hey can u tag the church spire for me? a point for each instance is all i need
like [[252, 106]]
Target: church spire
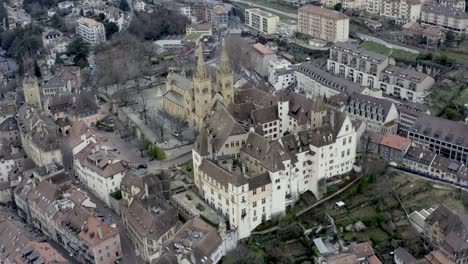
[[201, 73], [224, 68]]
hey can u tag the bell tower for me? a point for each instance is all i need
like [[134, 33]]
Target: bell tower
[[202, 87], [225, 77]]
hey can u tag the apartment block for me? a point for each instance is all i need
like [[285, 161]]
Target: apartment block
[[260, 20], [347, 4], [91, 31], [323, 23], [445, 17], [373, 6], [280, 74], [377, 71], [402, 11]]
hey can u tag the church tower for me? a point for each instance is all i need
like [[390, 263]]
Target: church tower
[[32, 94], [202, 87], [225, 77]]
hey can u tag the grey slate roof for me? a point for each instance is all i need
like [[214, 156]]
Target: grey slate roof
[[9, 124], [182, 82], [442, 129], [174, 97]]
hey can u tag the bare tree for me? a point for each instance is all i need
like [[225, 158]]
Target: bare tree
[[144, 108], [156, 121]]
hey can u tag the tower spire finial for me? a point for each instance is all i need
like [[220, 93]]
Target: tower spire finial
[[201, 73], [225, 68]]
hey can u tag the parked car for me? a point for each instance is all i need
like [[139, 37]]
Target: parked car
[[142, 166]]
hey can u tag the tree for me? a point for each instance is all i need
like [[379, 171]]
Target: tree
[[80, 49], [81, 12], [160, 23], [111, 29], [57, 22], [123, 5], [338, 7], [242, 255], [37, 70]]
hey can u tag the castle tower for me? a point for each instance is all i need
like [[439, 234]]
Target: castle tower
[[225, 77], [32, 94], [202, 87]]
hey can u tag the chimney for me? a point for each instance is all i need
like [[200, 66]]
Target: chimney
[[99, 231]]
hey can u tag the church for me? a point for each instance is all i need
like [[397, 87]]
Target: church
[[191, 100]]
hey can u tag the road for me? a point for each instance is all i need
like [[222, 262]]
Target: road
[[291, 15]]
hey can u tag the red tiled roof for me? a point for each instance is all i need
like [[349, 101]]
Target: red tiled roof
[[395, 142]]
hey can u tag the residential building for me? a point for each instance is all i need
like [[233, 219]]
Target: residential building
[[393, 148], [80, 107], [9, 176], [261, 56], [201, 12], [296, 3], [460, 4], [261, 20], [21, 246], [280, 74], [91, 31], [149, 221], [219, 17], [199, 30], [373, 6], [409, 113], [208, 243], [444, 137], [402, 11], [187, 12], [322, 23], [39, 136], [347, 4], [377, 71], [418, 159], [7, 109], [446, 229], [98, 169], [65, 80], [316, 82], [287, 28], [192, 99], [66, 4], [9, 130], [378, 115], [139, 6], [445, 17]]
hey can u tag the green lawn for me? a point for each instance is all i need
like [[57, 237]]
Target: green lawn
[[454, 55], [395, 53]]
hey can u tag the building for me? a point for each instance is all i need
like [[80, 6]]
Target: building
[[251, 176], [190, 100], [9, 130], [149, 224], [10, 176], [287, 28], [261, 56], [98, 169], [91, 31], [281, 74], [445, 17], [22, 246], [460, 4], [139, 6], [347, 4], [316, 82], [199, 30], [209, 244], [373, 6], [39, 136], [378, 115], [444, 137], [446, 229], [393, 148], [402, 11], [261, 21], [322, 23], [377, 71], [219, 17], [32, 93]]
